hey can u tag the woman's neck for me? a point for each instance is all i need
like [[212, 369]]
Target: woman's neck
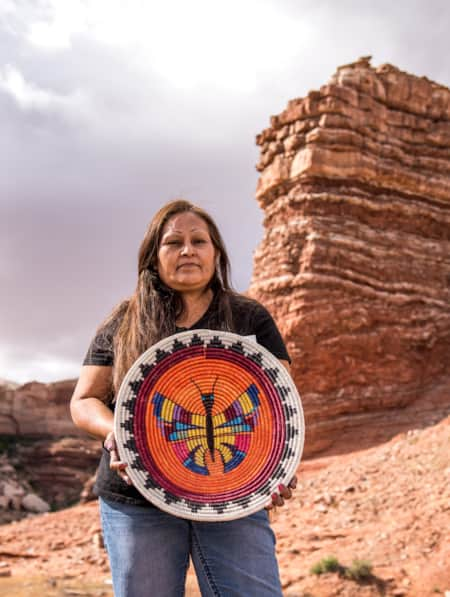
[[195, 305]]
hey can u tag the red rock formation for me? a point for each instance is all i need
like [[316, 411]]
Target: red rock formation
[[355, 261], [60, 468], [7, 424], [56, 457], [37, 409]]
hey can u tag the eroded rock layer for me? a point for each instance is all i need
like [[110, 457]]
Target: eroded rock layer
[[355, 260]]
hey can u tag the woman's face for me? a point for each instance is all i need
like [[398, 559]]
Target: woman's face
[[186, 256]]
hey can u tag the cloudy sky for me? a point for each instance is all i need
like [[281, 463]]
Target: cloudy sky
[[109, 109]]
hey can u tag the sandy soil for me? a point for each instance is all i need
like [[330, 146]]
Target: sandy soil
[[389, 505]]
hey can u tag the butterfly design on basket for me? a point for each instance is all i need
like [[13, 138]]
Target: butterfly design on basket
[[198, 438]]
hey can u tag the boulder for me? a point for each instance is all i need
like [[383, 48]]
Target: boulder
[[33, 503]]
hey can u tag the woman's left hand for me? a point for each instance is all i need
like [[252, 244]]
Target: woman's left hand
[[284, 493]]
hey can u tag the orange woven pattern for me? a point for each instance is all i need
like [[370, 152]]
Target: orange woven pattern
[[210, 424], [230, 381]]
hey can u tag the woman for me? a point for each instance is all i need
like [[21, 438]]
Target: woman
[[183, 284]]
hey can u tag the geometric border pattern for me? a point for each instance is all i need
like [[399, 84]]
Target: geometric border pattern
[[154, 483]]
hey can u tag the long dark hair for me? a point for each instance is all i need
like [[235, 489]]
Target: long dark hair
[[150, 313]]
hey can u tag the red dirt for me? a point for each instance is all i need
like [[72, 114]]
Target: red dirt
[[389, 505]]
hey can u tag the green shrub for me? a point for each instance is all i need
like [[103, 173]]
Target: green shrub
[[328, 564], [359, 570]]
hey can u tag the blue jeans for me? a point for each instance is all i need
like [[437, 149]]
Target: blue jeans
[[149, 553]]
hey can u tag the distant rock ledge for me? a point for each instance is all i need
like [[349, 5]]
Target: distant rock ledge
[[37, 409]]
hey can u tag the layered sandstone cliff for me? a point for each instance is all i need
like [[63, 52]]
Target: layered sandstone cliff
[[355, 260]]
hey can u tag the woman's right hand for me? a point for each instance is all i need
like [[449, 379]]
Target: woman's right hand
[[114, 463]]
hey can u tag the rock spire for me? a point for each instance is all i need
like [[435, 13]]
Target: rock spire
[[355, 260]]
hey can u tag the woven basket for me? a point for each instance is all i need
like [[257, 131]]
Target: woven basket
[[210, 424]]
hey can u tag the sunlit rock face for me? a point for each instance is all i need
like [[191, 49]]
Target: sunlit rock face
[[355, 260]]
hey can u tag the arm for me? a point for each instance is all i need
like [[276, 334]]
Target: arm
[[88, 403], [89, 411]]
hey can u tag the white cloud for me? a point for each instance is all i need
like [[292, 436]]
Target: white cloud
[[64, 19], [7, 7], [229, 45], [31, 97], [200, 42], [21, 368]]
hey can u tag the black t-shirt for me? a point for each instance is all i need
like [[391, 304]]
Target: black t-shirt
[[250, 318]]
